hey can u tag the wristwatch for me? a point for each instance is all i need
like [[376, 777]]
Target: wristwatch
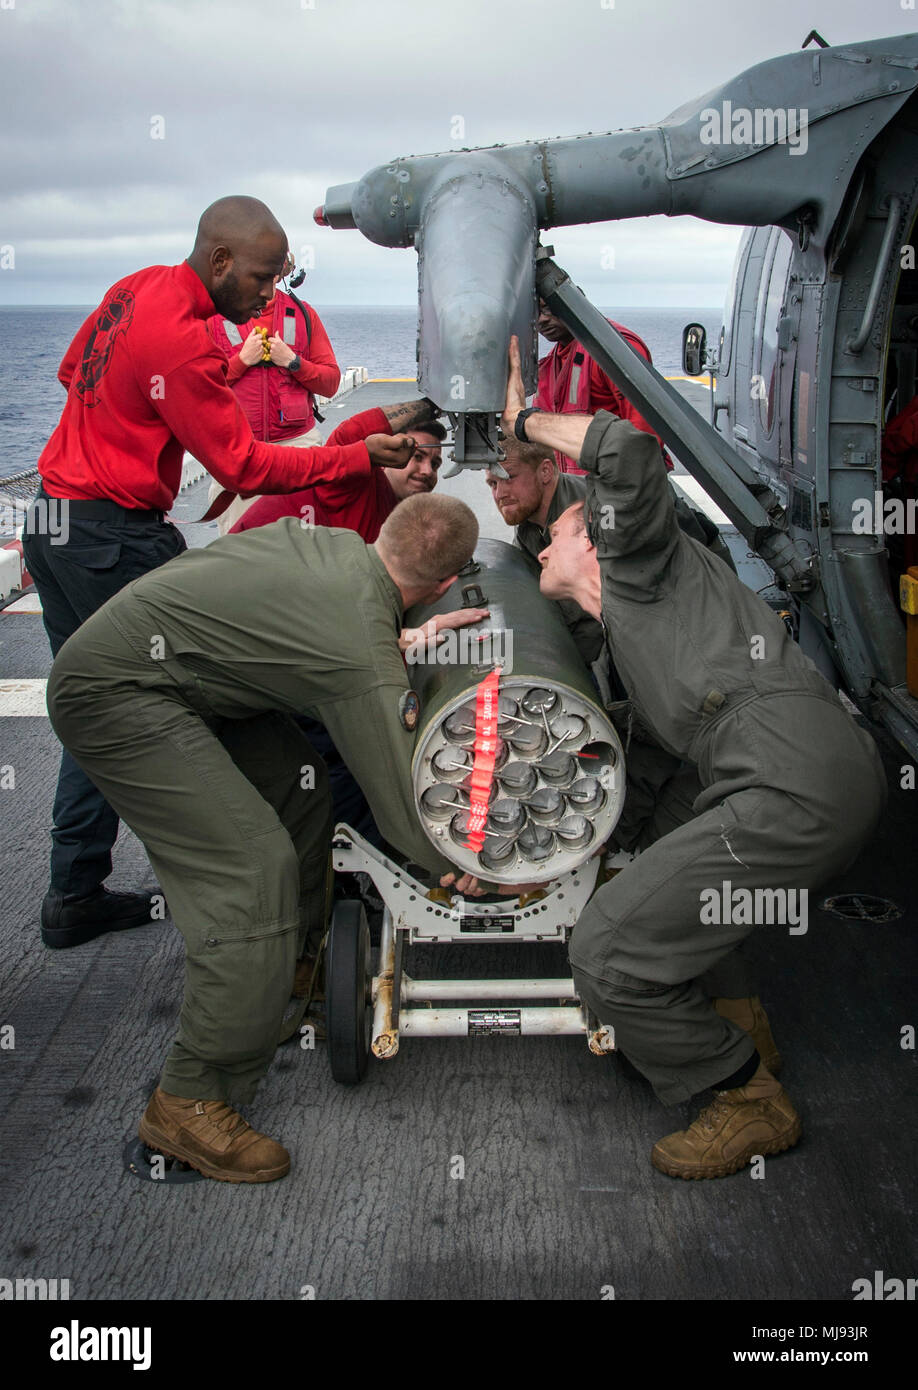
[[294, 364], [519, 426]]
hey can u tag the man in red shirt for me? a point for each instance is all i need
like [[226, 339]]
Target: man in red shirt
[[900, 479], [571, 383], [353, 502], [145, 382], [900, 444]]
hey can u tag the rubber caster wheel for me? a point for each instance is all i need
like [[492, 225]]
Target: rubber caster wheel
[[348, 992]]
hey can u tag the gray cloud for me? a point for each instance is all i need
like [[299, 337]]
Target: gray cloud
[[280, 99]]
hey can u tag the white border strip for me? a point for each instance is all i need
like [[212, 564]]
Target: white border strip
[[24, 698]]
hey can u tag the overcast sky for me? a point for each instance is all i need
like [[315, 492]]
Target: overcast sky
[[282, 98]]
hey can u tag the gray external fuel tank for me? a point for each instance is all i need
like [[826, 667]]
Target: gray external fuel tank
[[558, 780]]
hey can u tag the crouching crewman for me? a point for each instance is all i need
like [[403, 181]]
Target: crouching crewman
[[792, 787], [175, 698]]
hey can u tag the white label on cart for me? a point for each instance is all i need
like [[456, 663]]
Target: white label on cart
[[486, 1022], [502, 923]]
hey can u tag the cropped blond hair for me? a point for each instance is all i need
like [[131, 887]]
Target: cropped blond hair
[[427, 538]]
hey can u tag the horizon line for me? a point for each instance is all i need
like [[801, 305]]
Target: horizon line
[[350, 304]]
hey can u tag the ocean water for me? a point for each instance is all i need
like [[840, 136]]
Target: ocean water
[[381, 338]]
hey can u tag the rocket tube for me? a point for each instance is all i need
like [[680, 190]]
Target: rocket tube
[[517, 677]]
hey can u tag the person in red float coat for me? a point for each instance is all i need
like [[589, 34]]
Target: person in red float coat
[[900, 470], [571, 383], [278, 394]]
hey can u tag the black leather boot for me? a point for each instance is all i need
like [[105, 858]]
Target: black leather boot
[[74, 921]]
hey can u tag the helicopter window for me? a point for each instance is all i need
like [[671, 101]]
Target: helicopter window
[[768, 312], [739, 270]]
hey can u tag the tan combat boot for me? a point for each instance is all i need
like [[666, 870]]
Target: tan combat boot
[[749, 1015], [213, 1138], [757, 1118]]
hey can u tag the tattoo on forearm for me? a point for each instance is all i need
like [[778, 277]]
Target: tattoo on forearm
[[402, 416]]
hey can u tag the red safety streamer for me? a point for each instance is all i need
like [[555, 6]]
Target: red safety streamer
[[487, 705]]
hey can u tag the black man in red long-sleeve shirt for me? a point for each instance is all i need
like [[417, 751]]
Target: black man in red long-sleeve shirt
[[144, 383]]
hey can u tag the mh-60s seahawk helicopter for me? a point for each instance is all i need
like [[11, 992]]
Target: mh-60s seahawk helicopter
[[815, 152]]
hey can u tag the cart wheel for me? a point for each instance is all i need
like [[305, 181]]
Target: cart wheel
[[348, 981]]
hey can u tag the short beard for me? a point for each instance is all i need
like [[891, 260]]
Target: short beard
[[226, 298], [526, 515]]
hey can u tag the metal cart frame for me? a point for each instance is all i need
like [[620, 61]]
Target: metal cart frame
[[372, 1011]]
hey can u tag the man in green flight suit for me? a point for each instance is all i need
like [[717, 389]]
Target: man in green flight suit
[[661, 788], [176, 697], [792, 788]]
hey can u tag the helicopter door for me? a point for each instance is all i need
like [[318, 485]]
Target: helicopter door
[[900, 419]]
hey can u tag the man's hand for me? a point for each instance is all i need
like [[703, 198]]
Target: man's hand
[[565, 433], [390, 450], [460, 617], [466, 884], [472, 887], [516, 391], [281, 353], [251, 349], [434, 627]]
